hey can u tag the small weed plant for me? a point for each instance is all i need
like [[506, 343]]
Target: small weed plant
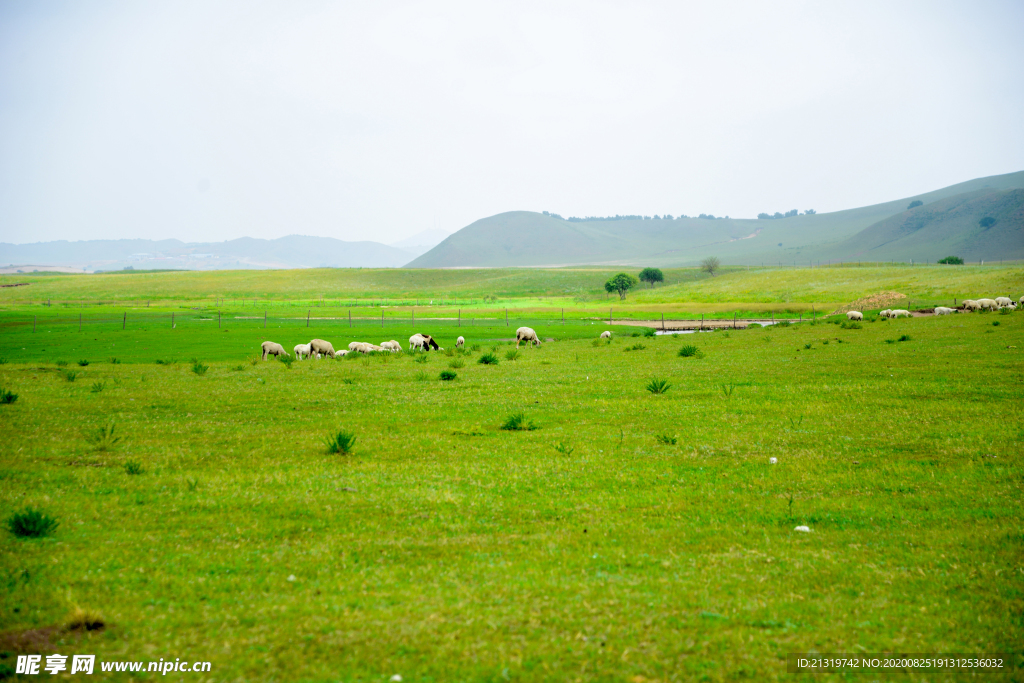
[[512, 354], [6, 397], [238, 368], [286, 359], [456, 364], [31, 523], [421, 358], [727, 390], [658, 386], [199, 368], [82, 363], [850, 325], [342, 442], [636, 347], [422, 376], [103, 438], [904, 337], [70, 375], [564, 448], [650, 332], [97, 387], [517, 422], [62, 364], [447, 375], [133, 467], [114, 361], [666, 439], [690, 351], [488, 359]]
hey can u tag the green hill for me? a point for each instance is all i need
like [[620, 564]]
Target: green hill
[[526, 238]]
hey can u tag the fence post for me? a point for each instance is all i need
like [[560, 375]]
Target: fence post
[[125, 321], [506, 317], [79, 322], [609, 316], [172, 321], [460, 317], [350, 317], [307, 317], [33, 324], [662, 322], [382, 316], [734, 321], [264, 318], [701, 322], [218, 320]]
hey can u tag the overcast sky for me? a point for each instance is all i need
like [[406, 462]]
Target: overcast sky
[[209, 120]]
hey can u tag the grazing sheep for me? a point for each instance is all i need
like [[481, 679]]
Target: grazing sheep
[[390, 346], [899, 313], [272, 349], [422, 341], [885, 313], [1003, 301], [363, 347], [323, 347], [460, 342], [606, 335], [803, 528], [854, 315], [301, 351], [988, 304], [1021, 302], [1012, 306], [526, 334], [971, 305], [943, 310]]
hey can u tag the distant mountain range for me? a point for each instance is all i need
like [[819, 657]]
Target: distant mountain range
[[978, 219]]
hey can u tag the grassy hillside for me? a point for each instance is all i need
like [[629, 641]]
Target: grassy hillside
[[523, 238]]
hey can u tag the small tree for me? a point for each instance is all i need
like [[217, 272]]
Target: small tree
[[620, 284], [916, 202], [952, 261], [710, 265], [987, 222], [652, 275]]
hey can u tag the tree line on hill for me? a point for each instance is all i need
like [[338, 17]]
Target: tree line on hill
[[621, 283], [788, 214], [628, 217]]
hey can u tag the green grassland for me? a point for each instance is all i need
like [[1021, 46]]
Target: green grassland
[[588, 549]]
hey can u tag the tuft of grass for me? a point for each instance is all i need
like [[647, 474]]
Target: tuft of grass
[[850, 325], [3, 361], [102, 438], [421, 357], [97, 387], [995, 323], [193, 484], [62, 364], [69, 375], [422, 376], [689, 351], [133, 467], [82, 620], [650, 332], [238, 368], [287, 360], [160, 361], [658, 386], [254, 360], [199, 368], [564, 448], [113, 360], [31, 523], [903, 338], [82, 363], [342, 442], [636, 347], [727, 390], [474, 348], [456, 364], [6, 397], [447, 375], [488, 359], [596, 343], [666, 439], [512, 354], [517, 422], [807, 345]]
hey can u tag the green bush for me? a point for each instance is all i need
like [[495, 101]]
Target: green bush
[[689, 351], [666, 439], [488, 359], [650, 332], [952, 261], [658, 386], [6, 397], [517, 422], [31, 523], [447, 375], [83, 363], [199, 368], [342, 442]]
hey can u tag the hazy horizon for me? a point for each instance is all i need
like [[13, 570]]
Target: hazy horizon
[[209, 122]]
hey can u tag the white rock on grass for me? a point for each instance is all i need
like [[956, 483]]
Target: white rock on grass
[[291, 577], [772, 461], [805, 529], [397, 678]]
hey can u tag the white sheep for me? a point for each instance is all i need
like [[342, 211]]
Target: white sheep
[[606, 335], [885, 313], [971, 305], [1003, 301], [322, 347], [526, 334], [943, 310], [460, 342], [390, 346], [301, 351], [988, 304], [1021, 302], [1012, 306], [899, 313], [854, 315], [272, 349]]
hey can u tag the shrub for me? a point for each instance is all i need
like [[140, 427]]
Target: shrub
[[987, 222], [102, 438], [97, 387], [199, 368], [133, 467], [447, 375], [31, 523], [456, 364], [512, 354], [342, 442], [666, 439], [6, 397], [710, 264], [916, 202], [658, 386], [952, 261], [62, 364], [70, 375], [517, 422], [905, 337], [488, 359], [650, 332], [82, 363], [688, 351]]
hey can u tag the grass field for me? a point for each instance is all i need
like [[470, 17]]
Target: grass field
[[630, 536]]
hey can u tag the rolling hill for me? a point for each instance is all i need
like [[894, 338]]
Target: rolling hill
[[946, 223]]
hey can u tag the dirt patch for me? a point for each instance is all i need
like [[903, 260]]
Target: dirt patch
[[880, 300], [47, 638]]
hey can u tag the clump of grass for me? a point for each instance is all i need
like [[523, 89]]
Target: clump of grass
[[517, 422], [347, 380], [456, 364], [449, 352], [635, 334], [447, 375], [421, 358], [650, 332], [689, 351], [133, 467], [495, 347], [6, 397], [160, 361], [474, 348], [238, 368], [658, 386], [199, 368], [564, 448], [422, 376], [3, 361], [807, 345], [488, 359], [512, 354], [666, 439], [82, 620], [193, 484], [1005, 311], [69, 375], [82, 363], [31, 523], [287, 360], [113, 360], [904, 337], [97, 387], [62, 364], [596, 343], [727, 390], [342, 442], [850, 325], [825, 342], [995, 323], [636, 347], [102, 438], [254, 360]]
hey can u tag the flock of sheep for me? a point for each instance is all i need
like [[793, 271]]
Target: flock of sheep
[[968, 305], [318, 348]]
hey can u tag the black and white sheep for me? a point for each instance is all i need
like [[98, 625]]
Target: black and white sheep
[[854, 315]]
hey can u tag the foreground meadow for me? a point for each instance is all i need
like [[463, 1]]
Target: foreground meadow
[[628, 536]]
